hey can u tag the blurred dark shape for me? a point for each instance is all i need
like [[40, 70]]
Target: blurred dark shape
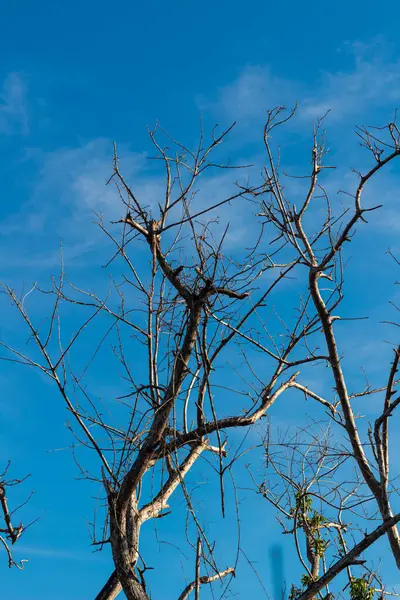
[[277, 571]]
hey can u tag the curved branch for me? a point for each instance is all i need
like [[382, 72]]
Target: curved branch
[[205, 579]]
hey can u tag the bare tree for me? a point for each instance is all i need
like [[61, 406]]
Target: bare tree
[[183, 309]]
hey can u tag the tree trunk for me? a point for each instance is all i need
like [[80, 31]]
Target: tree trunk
[[124, 537]]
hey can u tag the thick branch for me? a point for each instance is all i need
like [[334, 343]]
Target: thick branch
[[267, 401], [153, 508], [111, 589], [205, 579]]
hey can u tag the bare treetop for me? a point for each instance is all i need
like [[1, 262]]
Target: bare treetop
[[203, 344]]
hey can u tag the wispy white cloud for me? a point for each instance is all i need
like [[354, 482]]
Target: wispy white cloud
[[57, 553], [370, 81], [71, 181], [255, 90], [76, 177], [69, 190], [14, 106]]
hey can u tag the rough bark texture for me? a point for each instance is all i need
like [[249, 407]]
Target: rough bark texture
[[111, 589]]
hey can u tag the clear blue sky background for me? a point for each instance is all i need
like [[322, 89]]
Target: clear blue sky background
[[74, 77]]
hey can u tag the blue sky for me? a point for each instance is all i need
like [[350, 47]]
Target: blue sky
[[76, 76]]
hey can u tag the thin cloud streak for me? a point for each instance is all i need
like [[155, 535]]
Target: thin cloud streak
[[14, 106], [57, 554]]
